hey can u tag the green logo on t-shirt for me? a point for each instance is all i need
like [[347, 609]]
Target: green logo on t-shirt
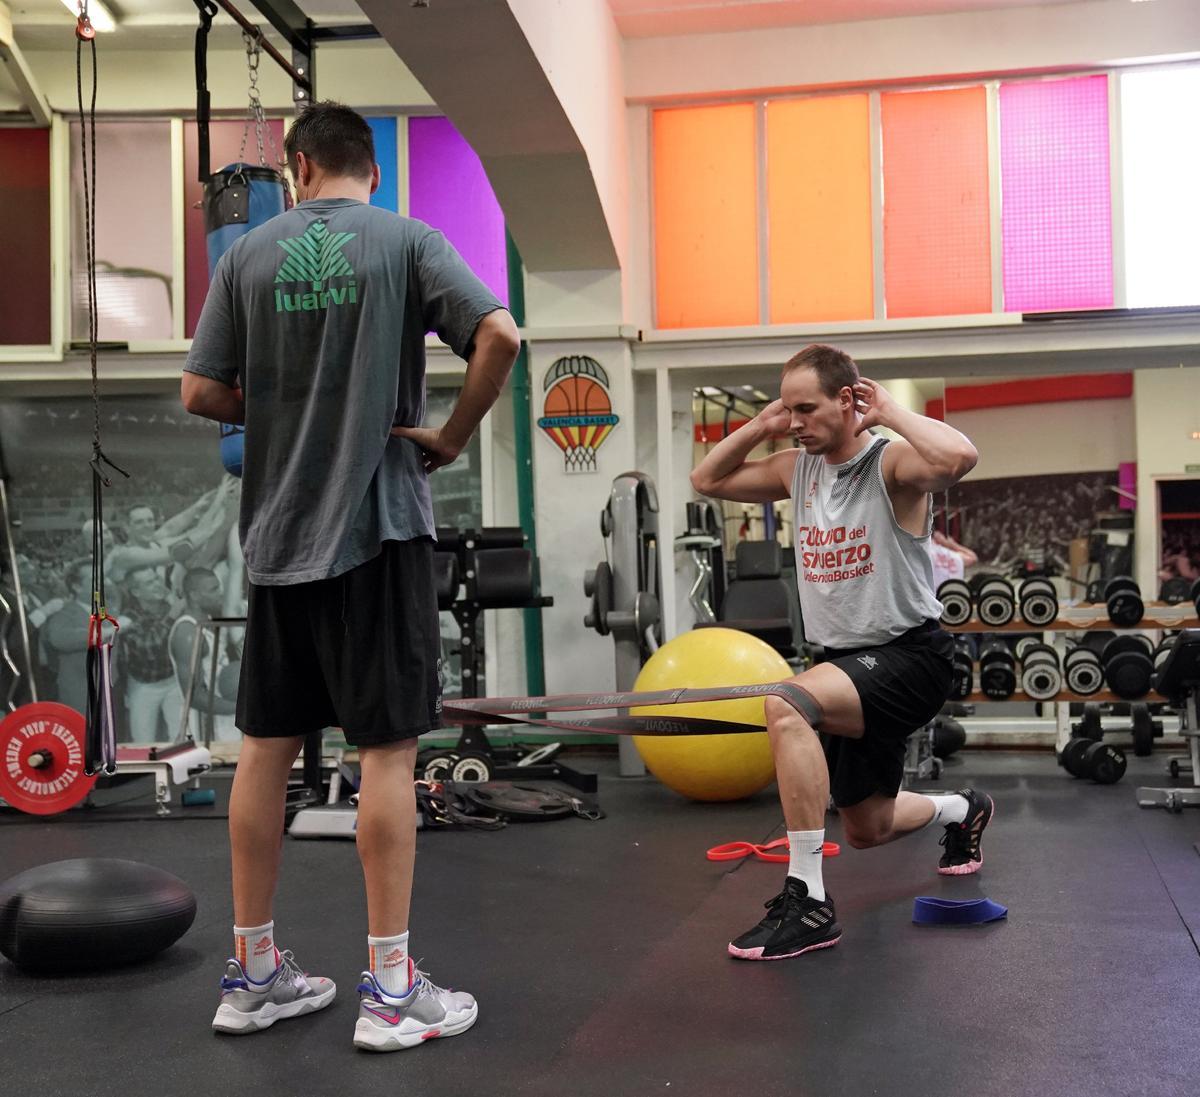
[[316, 257]]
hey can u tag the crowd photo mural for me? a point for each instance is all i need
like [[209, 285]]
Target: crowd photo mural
[[172, 551], [1011, 521]]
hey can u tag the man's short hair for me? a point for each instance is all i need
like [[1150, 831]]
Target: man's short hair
[[835, 369], [334, 137], [194, 578]]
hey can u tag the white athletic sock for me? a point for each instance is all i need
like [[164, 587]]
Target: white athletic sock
[[389, 963], [804, 859], [948, 807], [254, 947]]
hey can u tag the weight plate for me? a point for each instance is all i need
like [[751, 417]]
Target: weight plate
[[1119, 583], [1174, 591], [1039, 608], [437, 766], [1072, 756], [1126, 645], [471, 768], [1125, 610], [1143, 731], [1089, 726], [1042, 681], [955, 597], [1128, 674], [996, 603], [520, 801], [1104, 763], [41, 758]]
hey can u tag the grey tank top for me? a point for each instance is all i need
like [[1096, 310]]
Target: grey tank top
[[863, 579]]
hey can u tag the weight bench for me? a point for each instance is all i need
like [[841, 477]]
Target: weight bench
[[1178, 680]]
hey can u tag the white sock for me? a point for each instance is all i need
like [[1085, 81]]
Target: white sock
[[254, 947], [948, 807], [804, 859], [389, 963]]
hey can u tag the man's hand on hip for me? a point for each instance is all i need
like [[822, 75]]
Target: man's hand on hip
[[436, 451]]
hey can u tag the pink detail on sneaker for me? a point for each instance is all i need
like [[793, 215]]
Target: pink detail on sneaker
[[961, 870], [757, 953], [431, 1035]]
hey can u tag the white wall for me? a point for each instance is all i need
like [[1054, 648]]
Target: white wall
[[579, 48], [1168, 410], [1095, 33], [1041, 439], [161, 81], [568, 507]]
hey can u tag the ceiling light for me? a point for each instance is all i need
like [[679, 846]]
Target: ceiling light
[[99, 15]]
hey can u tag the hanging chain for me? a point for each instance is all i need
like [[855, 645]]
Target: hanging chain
[[254, 111]]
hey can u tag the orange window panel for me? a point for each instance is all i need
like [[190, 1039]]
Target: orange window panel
[[819, 209], [936, 216], [705, 216]]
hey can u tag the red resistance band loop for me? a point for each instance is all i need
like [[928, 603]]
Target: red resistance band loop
[[735, 851]]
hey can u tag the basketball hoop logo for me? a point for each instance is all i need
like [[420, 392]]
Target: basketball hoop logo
[[577, 413]]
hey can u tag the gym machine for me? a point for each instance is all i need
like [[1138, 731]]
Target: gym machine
[[625, 588], [702, 541], [1178, 679]]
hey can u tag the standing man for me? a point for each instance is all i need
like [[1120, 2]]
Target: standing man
[[863, 515], [153, 697], [313, 336]]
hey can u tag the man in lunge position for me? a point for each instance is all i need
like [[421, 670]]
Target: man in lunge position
[[863, 515]]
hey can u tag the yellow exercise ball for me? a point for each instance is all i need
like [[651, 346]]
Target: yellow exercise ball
[[711, 767]]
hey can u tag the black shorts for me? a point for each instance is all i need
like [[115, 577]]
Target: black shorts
[[361, 651], [902, 686]]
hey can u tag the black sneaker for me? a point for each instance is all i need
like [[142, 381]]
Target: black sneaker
[[963, 855], [794, 924]]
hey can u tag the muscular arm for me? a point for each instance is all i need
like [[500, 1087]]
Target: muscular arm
[[212, 399], [496, 344], [725, 473]]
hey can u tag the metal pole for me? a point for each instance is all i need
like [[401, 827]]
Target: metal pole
[[16, 573], [535, 664]]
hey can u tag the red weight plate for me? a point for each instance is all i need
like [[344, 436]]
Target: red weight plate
[[55, 733]]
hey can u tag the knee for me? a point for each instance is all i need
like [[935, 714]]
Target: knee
[[864, 837], [780, 714]]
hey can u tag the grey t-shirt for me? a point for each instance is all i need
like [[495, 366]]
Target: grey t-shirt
[[320, 315]]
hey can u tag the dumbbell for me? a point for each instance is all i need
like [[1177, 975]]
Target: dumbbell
[[1145, 730], [964, 672], [1124, 601], [955, 597], [1041, 675], [1160, 656], [997, 670], [1084, 671], [1176, 590], [1128, 666], [1089, 726], [995, 602], [1039, 602], [1196, 596], [1102, 762]]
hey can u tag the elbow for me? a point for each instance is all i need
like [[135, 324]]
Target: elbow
[[700, 483], [968, 458], [189, 395], [502, 333]]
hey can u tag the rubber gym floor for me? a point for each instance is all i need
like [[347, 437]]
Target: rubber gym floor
[[597, 952]]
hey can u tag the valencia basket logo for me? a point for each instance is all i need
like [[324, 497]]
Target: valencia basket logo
[[577, 412]]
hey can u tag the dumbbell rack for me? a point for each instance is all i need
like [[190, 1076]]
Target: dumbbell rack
[[1080, 618]]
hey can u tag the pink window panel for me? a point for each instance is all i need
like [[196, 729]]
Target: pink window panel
[[1056, 197]]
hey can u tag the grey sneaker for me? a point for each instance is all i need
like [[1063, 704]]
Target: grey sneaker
[[426, 1012], [247, 1006]]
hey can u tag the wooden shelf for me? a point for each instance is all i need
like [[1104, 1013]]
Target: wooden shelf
[[1095, 618], [976, 697]]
